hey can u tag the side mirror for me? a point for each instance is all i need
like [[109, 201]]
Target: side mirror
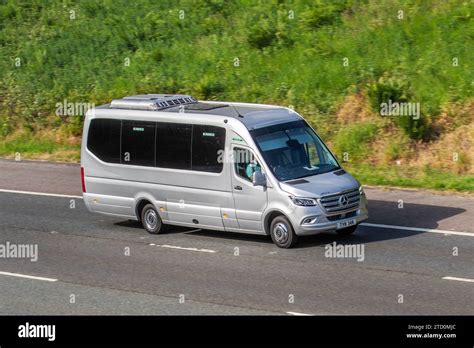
[[259, 179]]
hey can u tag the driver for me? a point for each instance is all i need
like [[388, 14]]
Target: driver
[[252, 167]]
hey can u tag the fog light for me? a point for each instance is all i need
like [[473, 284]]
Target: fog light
[[310, 220]]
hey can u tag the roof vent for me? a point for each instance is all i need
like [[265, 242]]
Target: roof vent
[[152, 101]]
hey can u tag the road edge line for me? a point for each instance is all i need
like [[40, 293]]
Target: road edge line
[[40, 194], [467, 280], [419, 229], [19, 275]]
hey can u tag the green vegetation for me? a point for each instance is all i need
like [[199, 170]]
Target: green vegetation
[[313, 55], [40, 145], [355, 140], [412, 177]]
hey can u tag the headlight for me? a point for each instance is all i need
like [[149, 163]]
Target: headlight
[[305, 202], [361, 191]]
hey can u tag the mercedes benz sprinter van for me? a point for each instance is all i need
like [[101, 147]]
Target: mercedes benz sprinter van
[[172, 160]]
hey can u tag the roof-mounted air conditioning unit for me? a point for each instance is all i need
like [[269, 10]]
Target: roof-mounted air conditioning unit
[[152, 101]]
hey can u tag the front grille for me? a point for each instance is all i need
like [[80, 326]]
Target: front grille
[[340, 201], [342, 216]]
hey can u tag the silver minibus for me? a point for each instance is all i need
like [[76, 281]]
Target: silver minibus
[[172, 160]]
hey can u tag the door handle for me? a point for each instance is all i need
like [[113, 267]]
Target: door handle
[[238, 188]]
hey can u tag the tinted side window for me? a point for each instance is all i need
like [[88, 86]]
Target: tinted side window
[[138, 143], [103, 139], [208, 147], [173, 145]]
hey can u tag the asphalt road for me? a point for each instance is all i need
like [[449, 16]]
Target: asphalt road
[[112, 266]]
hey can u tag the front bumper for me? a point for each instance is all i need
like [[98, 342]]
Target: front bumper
[[326, 222], [304, 230]]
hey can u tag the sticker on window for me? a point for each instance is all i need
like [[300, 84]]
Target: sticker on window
[[207, 134], [138, 129]]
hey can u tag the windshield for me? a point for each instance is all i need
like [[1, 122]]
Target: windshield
[[293, 150]]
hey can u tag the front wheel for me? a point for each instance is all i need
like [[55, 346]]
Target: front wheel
[[347, 231], [151, 220], [282, 232]]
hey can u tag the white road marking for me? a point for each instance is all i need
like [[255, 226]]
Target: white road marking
[[301, 314], [190, 249], [40, 194], [419, 229], [459, 279], [28, 276], [183, 248]]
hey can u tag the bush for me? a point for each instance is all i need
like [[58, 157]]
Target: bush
[[388, 89], [354, 140], [262, 34], [324, 13], [210, 89]]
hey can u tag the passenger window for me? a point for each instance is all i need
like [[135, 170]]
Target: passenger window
[[173, 145], [245, 163], [103, 139], [138, 143], [208, 147]]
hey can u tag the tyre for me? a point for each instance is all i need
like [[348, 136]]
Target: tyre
[[282, 232], [151, 220], [347, 231]]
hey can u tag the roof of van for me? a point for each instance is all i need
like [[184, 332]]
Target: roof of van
[[251, 115]]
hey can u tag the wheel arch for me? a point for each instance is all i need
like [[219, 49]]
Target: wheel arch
[[268, 218], [142, 199], [139, 207]]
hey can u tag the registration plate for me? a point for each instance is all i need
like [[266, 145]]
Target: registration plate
[[344, 224]]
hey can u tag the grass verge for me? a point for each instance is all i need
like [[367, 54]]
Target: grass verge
[[411, 177], [41, 146]]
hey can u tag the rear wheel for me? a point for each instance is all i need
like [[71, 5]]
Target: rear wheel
[[347, 231], [282, 232], [151, 220]]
